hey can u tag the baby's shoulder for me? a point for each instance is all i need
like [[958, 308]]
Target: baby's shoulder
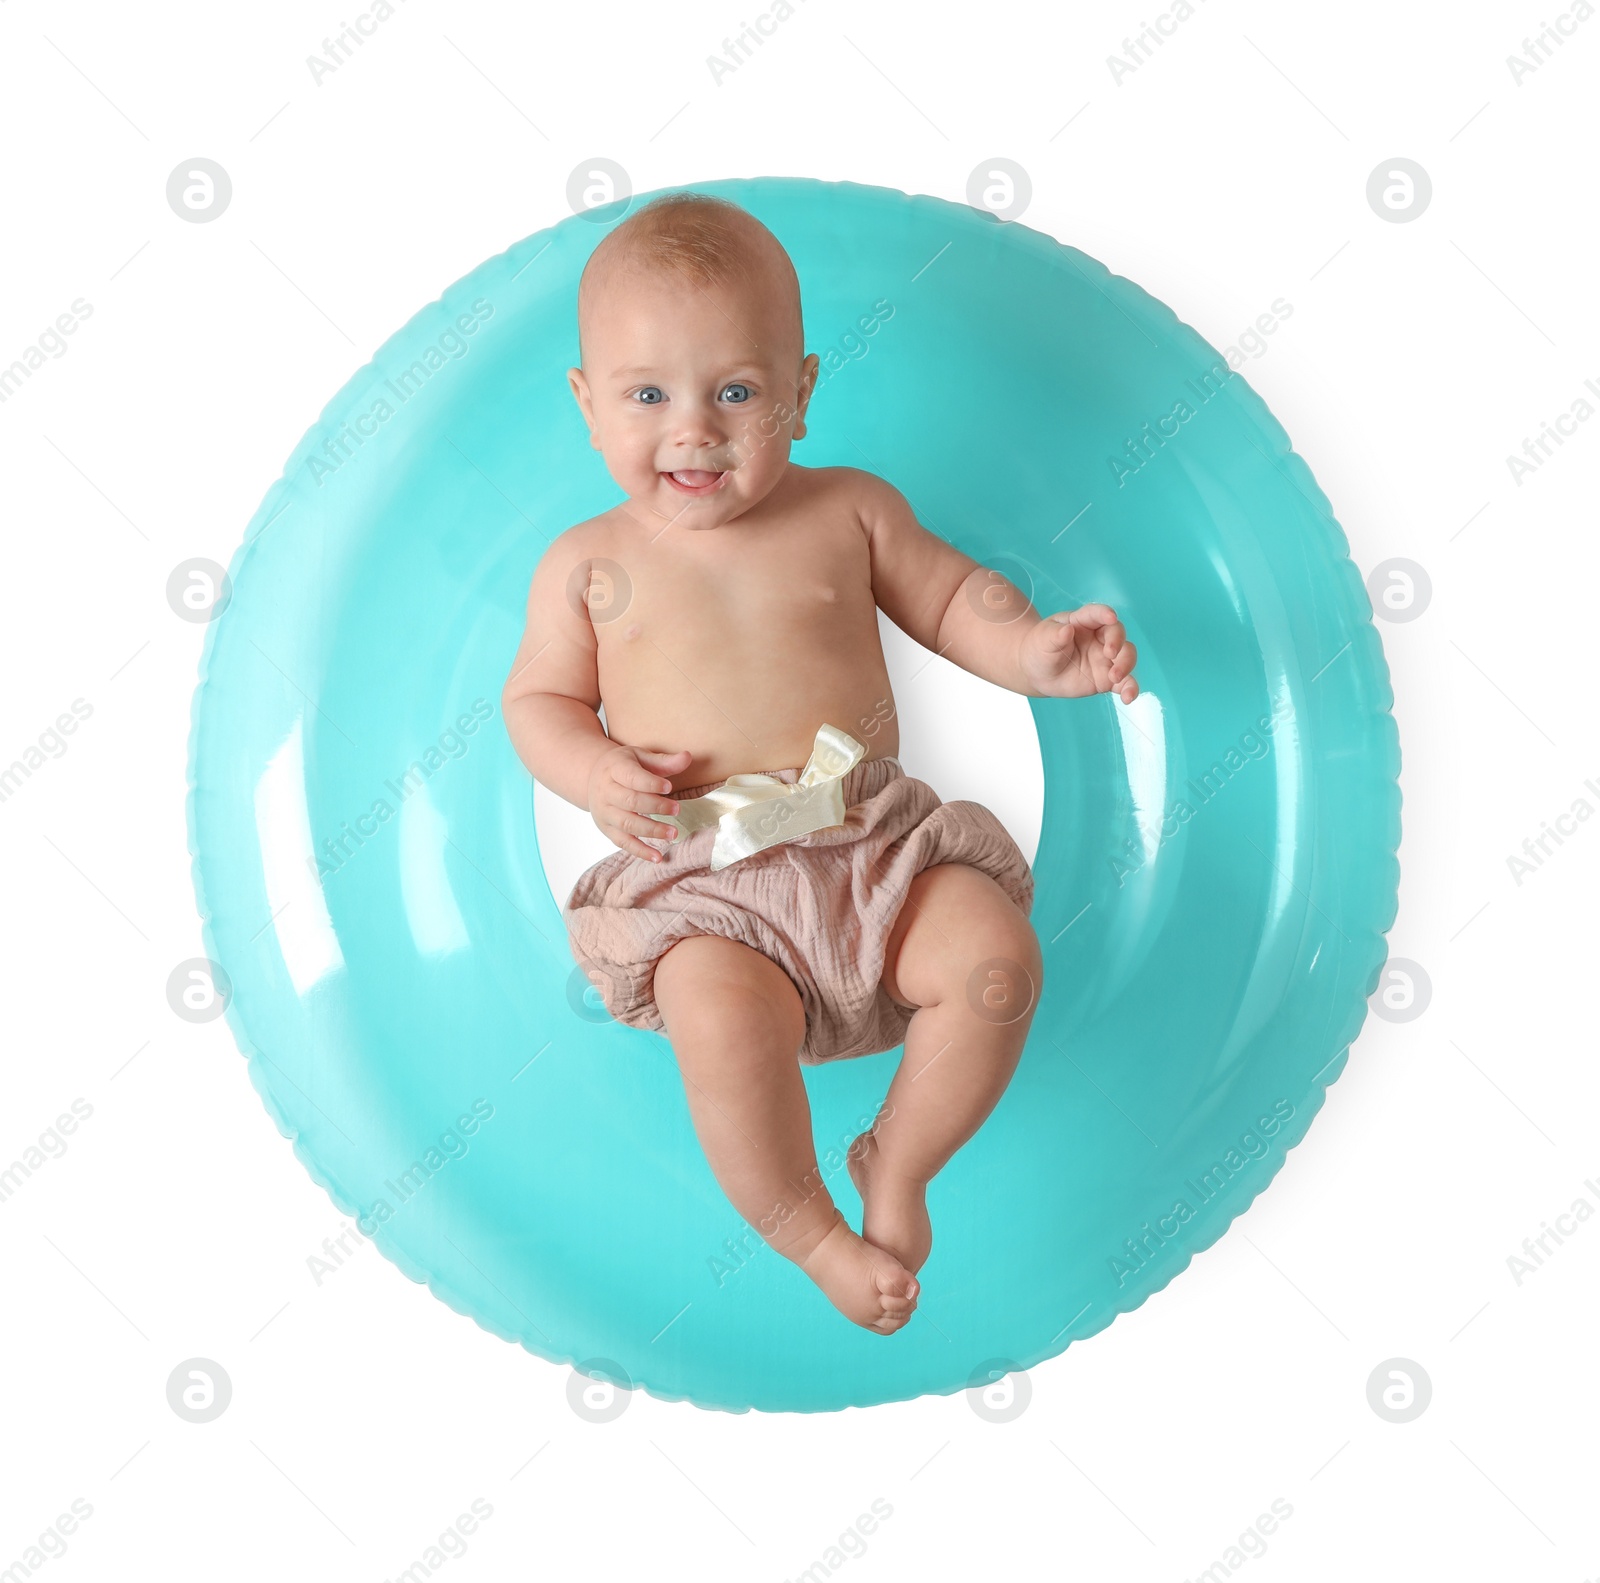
[[848, 485], [584, 540], [569, 562]]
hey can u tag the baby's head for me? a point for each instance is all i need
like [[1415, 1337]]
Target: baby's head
[[694, 379]]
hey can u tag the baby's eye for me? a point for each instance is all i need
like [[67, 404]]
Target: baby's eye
[[736, 393], [651, 395]]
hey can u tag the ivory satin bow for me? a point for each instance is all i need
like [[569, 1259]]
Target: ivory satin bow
[[753, 812]]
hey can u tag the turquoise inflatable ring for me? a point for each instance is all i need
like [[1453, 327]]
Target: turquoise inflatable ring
[[1212, 889]]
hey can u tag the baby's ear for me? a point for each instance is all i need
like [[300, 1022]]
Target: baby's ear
[[579, 386], [808, 383]]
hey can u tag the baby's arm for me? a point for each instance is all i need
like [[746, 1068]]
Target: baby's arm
[[981, 621], [551, 705]]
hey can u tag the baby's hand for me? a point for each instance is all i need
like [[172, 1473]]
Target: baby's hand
[[1078, 652], [624, 785]]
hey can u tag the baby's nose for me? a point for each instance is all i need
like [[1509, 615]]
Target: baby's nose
[[698, 425]]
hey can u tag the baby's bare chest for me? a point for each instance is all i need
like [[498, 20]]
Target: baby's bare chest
[[800, 585]]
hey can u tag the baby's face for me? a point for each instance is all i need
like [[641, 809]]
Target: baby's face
[[693, 394]]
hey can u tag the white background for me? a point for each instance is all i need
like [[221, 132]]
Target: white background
[[1224, 173]]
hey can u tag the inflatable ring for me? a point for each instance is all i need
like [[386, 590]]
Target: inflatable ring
[[1215, 874]]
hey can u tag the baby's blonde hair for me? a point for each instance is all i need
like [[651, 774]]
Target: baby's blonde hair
[[705, 241]]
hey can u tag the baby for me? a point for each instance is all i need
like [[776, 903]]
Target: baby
[[783, 893]]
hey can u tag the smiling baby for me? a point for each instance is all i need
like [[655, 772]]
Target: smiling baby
[[784, 894]]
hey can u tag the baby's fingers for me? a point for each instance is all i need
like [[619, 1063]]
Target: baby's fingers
[[643, 824], [626, 829], [655, 763], [644, 802], [633, 777], [1092, 616], [636, 848]]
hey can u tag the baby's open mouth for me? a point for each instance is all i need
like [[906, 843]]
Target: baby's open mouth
[[694, 480]]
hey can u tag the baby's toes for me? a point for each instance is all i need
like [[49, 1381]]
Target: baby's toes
[[897, 1288]]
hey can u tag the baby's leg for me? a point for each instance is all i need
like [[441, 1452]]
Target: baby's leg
[[961, 1048], [736, 1025]]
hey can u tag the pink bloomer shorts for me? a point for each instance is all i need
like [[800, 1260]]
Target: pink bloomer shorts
[[820, 905]]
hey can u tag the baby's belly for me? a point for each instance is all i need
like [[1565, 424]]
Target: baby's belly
[[742, 707]]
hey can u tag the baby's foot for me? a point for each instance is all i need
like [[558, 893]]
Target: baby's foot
[[894, 1207], [864, 1283]]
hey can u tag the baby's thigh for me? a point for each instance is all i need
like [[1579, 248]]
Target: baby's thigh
[[957, 919], [720, 993]]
